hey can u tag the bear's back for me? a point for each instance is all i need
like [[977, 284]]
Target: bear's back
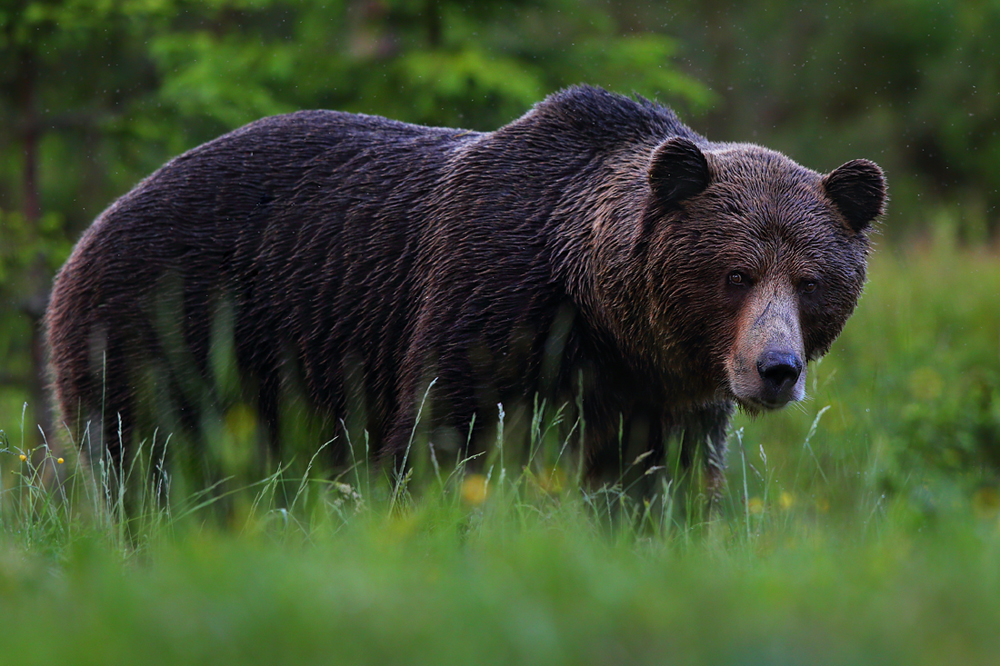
[[268, 221]]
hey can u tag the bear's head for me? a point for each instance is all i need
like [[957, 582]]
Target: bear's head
[[752, 265]]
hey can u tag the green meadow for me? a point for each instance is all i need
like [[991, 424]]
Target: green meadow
[[861, 526]]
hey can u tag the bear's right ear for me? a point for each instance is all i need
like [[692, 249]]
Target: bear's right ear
[[678, 170]]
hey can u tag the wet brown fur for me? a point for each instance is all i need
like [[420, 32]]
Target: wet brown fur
[[579, 255]]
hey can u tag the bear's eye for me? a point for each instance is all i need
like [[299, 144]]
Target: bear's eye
[[808, 286], [738, 278]]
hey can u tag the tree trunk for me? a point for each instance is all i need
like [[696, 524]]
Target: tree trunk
[[38, 275], [434, 28]]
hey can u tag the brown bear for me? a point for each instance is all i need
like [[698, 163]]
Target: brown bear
[[595, 255]]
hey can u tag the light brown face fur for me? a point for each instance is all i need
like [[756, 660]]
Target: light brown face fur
[[766, 366]]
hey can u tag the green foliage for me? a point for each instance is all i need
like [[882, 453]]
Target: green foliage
[[959, 431], [21, 244], [939, 364]]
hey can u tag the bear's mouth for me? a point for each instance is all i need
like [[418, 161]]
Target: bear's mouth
[[755, 396], [754, 407]]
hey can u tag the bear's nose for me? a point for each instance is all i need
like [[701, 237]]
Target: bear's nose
[[779, 370]]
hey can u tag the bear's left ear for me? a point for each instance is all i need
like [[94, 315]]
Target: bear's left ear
[[677, 170], [857, 188]]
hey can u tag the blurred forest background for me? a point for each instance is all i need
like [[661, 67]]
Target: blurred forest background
[[96, 94]]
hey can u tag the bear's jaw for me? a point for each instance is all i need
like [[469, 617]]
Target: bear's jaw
[[755, 407]]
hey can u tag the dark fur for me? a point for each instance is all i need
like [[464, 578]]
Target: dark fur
[[578, 253]]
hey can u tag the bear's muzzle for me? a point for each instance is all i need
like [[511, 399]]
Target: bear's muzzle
[[766, 367]]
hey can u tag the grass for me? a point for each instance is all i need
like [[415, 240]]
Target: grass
[[422, 590], [861, 527]]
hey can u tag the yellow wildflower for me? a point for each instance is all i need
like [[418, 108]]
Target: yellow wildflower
[[552, 480], [474, 489], [986, 502]]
